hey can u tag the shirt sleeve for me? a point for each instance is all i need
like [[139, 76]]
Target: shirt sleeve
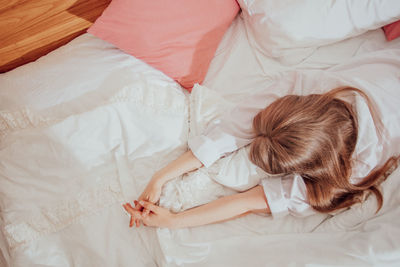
[[234, 129], [287, 195], [231, 132]]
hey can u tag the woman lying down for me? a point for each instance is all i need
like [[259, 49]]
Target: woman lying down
[[312, 138]]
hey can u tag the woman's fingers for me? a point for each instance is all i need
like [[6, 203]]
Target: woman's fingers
[[146, 212], [157, 218], [139, 208], [131, 222], [135, 215], [149, 206], [128, 208], [138, 216], [137, 205]]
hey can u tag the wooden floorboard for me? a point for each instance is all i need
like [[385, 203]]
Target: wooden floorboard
[[30, 29]]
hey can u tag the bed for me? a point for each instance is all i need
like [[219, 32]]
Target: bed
[[84, 128]]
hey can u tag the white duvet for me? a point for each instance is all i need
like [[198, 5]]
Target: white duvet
[[69, 159]]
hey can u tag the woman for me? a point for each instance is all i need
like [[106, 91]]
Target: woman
[[310, 139]]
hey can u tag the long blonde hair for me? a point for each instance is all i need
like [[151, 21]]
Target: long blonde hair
[[315, 136]]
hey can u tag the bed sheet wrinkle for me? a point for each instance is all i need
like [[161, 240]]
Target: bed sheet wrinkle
[[81, 143], [110, 92], [60, 214]]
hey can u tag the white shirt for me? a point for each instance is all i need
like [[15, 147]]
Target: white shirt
[[288, 195]]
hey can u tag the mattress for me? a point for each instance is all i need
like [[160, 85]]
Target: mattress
[[80, 134]]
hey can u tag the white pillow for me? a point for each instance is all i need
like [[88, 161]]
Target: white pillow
[[290, 30]]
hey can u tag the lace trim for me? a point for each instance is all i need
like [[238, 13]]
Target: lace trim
[[21, 119], [165, 100], [147, 98], [55, 218], [191, 190]]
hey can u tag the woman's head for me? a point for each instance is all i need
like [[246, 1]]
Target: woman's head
[[314, 136]]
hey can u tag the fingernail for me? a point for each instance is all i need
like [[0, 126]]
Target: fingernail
[[141, 202]]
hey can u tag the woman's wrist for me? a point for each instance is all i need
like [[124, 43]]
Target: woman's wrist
[[158, 179], [175, 221], [186, 162]]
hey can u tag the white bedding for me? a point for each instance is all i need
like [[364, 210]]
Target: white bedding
[[83, 130]]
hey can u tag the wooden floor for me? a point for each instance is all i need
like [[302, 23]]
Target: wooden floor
[[32, 28]]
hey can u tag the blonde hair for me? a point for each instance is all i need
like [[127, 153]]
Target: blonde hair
[[315, 136]]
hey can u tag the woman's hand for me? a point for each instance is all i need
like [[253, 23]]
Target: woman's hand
[[186, 162], [219, 210], [152, 192], [136, 215], [158, 216]]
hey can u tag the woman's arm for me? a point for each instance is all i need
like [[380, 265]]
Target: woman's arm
[[185, 163], [222, 209]]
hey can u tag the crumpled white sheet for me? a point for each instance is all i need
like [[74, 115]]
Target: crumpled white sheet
[[61, 169], [66, 170], [356, 236], [66, 148]]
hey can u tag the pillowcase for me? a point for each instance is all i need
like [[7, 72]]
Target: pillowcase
[[392, 31], [177, 37], [290, 30]]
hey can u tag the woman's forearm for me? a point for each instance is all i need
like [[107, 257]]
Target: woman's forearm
[[185, 163], [224, 208]]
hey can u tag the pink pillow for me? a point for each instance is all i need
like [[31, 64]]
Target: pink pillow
[[392, 30], [178, 37]]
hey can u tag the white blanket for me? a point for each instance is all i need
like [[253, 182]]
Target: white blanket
[[66, 169], [61, 170], [69, 159]]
